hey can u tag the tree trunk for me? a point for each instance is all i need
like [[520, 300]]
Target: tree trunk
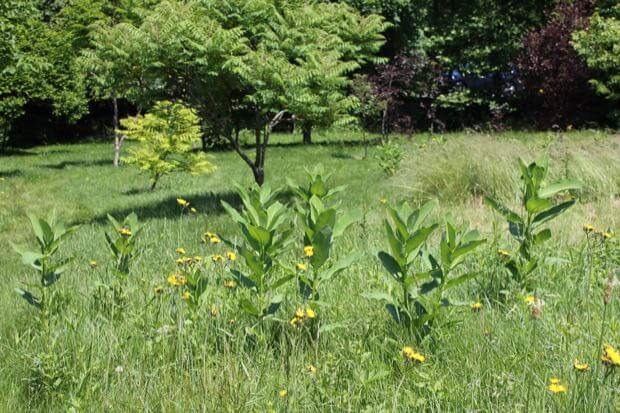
[[307, 134], [117, 139]]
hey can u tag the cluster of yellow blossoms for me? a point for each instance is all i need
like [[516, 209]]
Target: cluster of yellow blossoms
[[412, 356], [556, 386], [301, 316], [125, 232], [611, 356], [177, 280], [210, 237], [590, 229]]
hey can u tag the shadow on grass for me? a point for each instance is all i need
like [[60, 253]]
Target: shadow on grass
[[11, 173], [64, 164], [208, 204]]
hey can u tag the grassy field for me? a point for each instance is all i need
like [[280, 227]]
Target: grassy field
[[145, 354]]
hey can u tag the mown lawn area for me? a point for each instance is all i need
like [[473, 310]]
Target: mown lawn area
[[143, 351]]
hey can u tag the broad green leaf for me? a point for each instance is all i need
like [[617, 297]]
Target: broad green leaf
[[346, 220], [535, 205], [542, 236], [552, 212], [460, 279], [341, 265], [564, 185], [390, 264]]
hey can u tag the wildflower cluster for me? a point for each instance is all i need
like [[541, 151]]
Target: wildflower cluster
[[593, 232], [302, 316], [556, 386]]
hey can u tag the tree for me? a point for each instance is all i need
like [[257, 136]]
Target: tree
[[166, 135], [39, 64], [553, 75], [120, 64], [599, 45]]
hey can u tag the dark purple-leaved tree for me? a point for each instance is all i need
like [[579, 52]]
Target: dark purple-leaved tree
[[553, 76]]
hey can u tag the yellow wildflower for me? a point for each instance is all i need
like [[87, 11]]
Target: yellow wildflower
[[209, 234], [299, 313], [296, 321], [215, 240], [411, 355], [582, 367], [180, 250], [231, 256], [309, 250], [310, 313], [607, 235], [197, 258], [217, 258], [383, 201], [92, 263], [232, 321], [611, 356], [230, 284], [477, 306], [184, 260], [311, 369], [587, 228], [193, 210], [186, 295], [301, 266], [282, 393], [184, 203], [503, 253], [529, 299], [214, 311], [125, 232], [177, 280], [555, 386]]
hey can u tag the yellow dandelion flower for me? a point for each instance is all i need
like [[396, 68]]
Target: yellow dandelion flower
[[311, 369], [197, 258], [209, 234], [180, 250], [184, 203], [125, 232], [607, 235], [411, 355], [92, 263], [582, 367], [310, 313], [587, 228], [611, 356], [215, 240], [186, 295], [477, 306], [301, 266], [555, 386], [184, 260], [230, 284], [177, 280], [529, 299], [231, 256], [282, 393], [296, 321], [309, 250], [217, 258]]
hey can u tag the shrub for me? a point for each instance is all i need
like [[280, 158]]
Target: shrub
[[166, 135], [389, 157]]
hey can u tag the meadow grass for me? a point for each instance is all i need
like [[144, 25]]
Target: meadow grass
[[144, 356]]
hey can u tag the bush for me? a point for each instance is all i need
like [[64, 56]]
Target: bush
[[166, 135]]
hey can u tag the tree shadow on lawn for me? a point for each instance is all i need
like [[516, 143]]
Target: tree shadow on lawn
[[208, 204], [64, 164], [11, 173]]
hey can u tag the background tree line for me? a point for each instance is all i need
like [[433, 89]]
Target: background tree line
[[249, 66]]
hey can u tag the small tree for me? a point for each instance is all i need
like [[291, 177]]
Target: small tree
[[166, 135], [600, 46]]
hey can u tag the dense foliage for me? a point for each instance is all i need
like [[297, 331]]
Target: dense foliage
[[250, 67]]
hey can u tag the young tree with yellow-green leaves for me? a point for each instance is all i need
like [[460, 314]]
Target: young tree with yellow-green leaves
[[167, 134]]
